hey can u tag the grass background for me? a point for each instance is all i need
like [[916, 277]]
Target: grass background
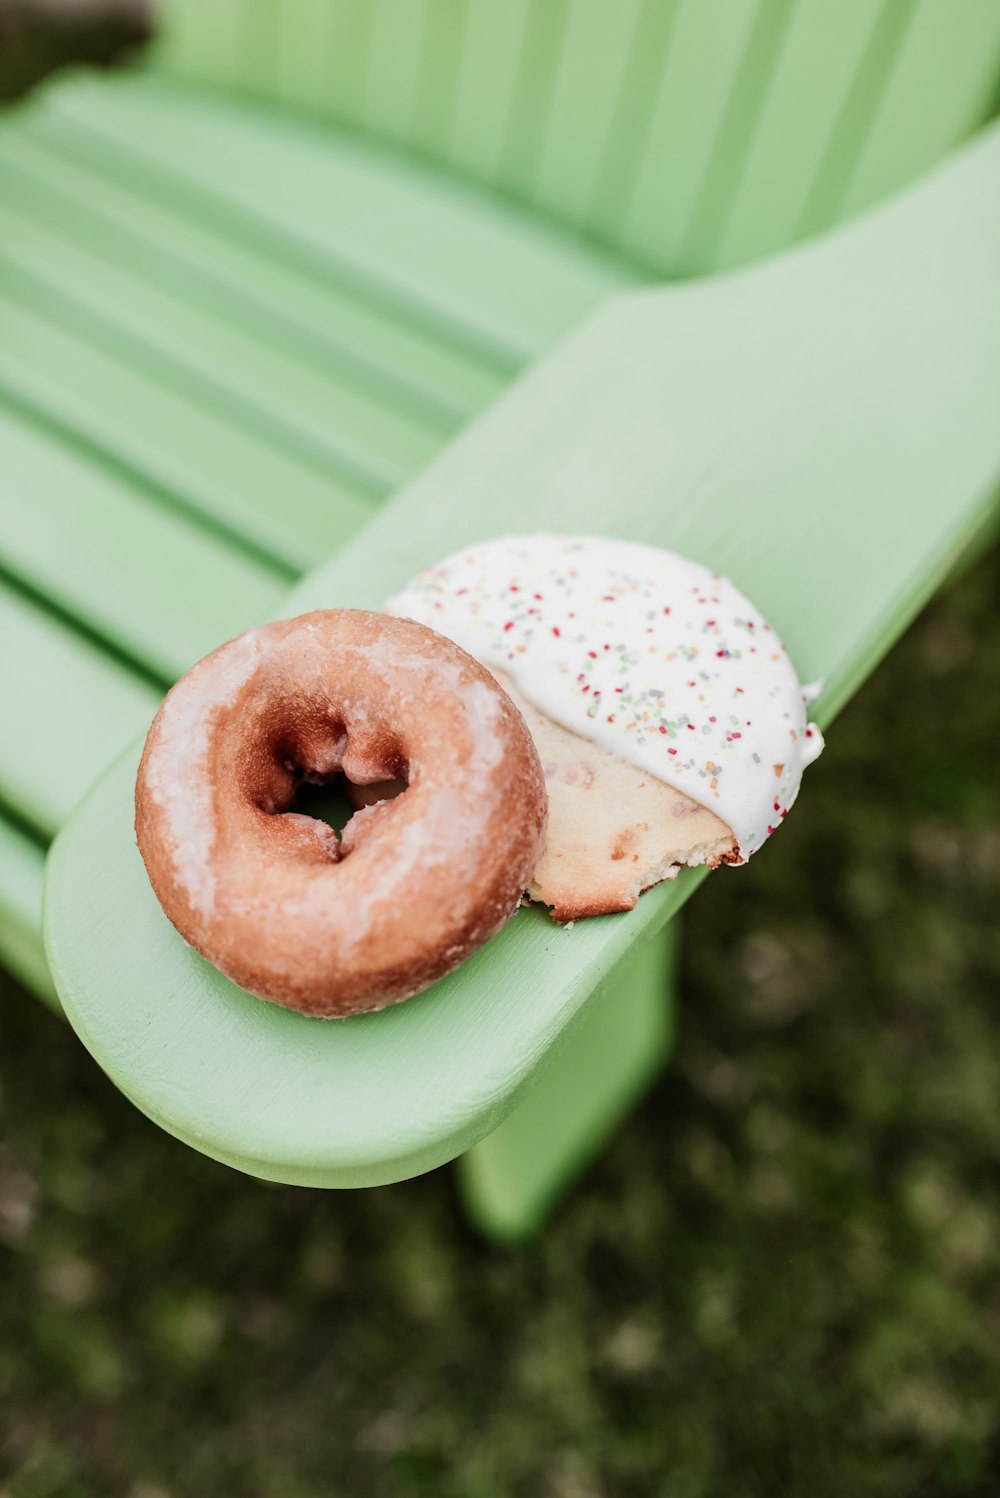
[[782, 1278]]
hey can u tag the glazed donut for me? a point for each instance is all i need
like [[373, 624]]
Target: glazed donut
[[328, 926]]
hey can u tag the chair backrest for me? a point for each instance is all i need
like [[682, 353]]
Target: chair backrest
[[691, 134]]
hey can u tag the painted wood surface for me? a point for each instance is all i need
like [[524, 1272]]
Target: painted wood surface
[[61, 170], [68, 706], [196, 404], [694, 134], [822, 428], [475, 273]]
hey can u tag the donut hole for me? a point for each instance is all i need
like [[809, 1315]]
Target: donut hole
[[325, 801], [347, 806], [352, 810], [316, 773]]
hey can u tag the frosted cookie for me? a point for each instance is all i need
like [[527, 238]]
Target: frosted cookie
[[669, 720]]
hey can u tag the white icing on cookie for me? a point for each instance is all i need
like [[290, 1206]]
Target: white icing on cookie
[[653, 657]]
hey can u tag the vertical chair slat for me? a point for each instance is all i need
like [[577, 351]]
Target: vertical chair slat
[[622, 151], [692, 135], [946, 80], [200, 41], [492, 52], [346, 52], [588, 82], [442, 48], [258, 47], [390, 92], [302, 61], [706, 49], [531, 99], [724, 169], [824, 49], [860, 109]]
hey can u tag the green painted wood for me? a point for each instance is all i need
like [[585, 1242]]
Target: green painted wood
[[822, 428], [724, 168], [442, 52], [824, 48], [492, 50], [510, 1180], [161, 591], [126, 309], [199, 41], [150, 278], [531, 97], [858, 115], [303, 53], [705, 49], [22, 870], [257, 47], [346, 58], [169, 449], [616, 160], [927, 107], [479, 273], [588, 81], [111, 198], [692, 134], [395, 32], [68, 707]]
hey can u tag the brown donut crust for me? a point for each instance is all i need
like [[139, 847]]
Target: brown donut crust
[[415, 886]]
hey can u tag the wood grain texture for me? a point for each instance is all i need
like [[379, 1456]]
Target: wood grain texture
[[822, 428]]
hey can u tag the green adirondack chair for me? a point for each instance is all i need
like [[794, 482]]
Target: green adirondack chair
[[250, 298]]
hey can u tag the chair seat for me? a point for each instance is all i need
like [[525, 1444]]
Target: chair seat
[[226, 336]]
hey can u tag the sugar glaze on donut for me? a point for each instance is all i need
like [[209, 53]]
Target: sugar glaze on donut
[[273, 898]]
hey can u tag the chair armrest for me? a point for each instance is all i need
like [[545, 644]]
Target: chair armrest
[[822, 427]]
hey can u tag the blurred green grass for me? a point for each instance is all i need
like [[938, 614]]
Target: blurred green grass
[[783, 1277]]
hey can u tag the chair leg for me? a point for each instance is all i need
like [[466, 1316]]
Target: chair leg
[[510, 1179]]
